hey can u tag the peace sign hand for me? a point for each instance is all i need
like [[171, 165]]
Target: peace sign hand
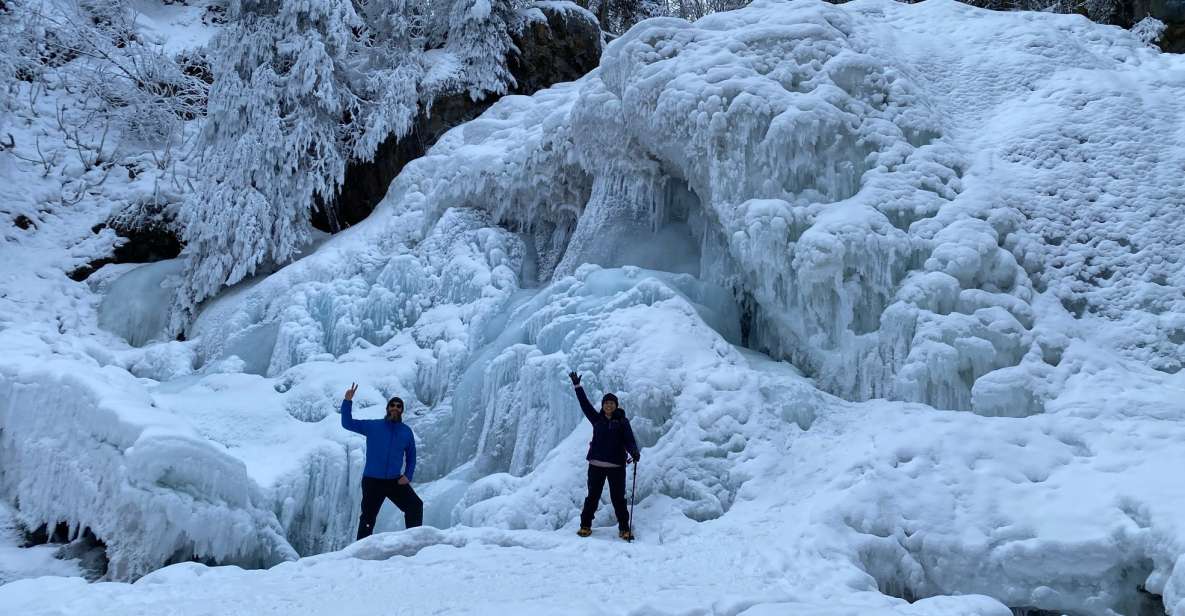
[[350, 392]]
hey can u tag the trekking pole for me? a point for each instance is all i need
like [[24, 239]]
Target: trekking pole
[[633, 492]]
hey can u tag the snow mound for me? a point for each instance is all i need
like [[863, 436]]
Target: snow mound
[[79, 446]]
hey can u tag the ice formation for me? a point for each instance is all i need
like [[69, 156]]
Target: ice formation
[[135, 305], [891, 293], [811, 178], [152, 490]]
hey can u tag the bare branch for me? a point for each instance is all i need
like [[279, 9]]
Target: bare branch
[[46, 163]]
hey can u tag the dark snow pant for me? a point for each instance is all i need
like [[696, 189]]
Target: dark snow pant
[[596, 484], [375, 490]]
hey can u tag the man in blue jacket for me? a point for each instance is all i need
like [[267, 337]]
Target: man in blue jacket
[[612, 439], [390, 463]]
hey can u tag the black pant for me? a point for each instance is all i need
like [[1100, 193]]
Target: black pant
[[596, 483], [375, 490]]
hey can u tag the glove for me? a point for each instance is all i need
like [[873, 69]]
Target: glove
[[575, 379]]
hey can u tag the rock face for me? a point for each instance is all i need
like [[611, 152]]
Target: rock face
[[1127, 13], [1172, 13], [564, 47], [560, 43], [149, 235], [367, 181]]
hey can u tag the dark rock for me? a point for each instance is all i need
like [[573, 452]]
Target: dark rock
[[1168, 11], [91, 553], [563, 46], [148, 234], [366, 182], [43, 535], [147, 245], [1172, 40], [1128, 13], [23, 222], [82, 273]]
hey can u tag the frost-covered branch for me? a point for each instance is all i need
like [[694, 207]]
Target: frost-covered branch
[[47, 163], [93, 48], [89, 154], [1149, 30]]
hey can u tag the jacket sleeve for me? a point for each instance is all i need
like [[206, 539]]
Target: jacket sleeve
[[348, 421], [631, 445], [585, 405], [409, 456]]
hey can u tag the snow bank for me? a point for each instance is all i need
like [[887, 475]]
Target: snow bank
[[491, 568], [80, 445]]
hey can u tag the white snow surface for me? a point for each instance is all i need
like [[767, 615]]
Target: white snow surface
[[891, 294]]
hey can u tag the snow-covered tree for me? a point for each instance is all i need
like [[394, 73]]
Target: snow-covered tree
[[479, 37], [281, 112], [617, 16], [1149, 30], [303, 88], [392, 68], [300, 89]]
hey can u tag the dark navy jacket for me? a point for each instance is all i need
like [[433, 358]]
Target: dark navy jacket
[[388, 445], [612, 438]]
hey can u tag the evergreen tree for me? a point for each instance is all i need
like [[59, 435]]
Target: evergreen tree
[[300, 90], [273, 138], [479, 36]]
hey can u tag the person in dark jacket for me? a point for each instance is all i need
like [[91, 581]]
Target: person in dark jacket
[[390, 463], [612, 440]]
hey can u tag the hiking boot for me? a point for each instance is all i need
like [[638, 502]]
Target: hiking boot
[[584, 531], [625, 534]]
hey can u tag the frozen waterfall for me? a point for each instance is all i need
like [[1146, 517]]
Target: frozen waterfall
[[852, 272]]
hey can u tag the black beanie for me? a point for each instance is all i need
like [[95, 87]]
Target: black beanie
[[608, 397]]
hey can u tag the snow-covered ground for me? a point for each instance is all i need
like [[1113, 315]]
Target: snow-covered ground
[[891, 293]]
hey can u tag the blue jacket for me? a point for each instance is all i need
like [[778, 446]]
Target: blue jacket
[[612, 438], [389, 444]]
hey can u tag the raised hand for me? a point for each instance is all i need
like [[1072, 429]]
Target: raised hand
[[575, 379], [350, 392]]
